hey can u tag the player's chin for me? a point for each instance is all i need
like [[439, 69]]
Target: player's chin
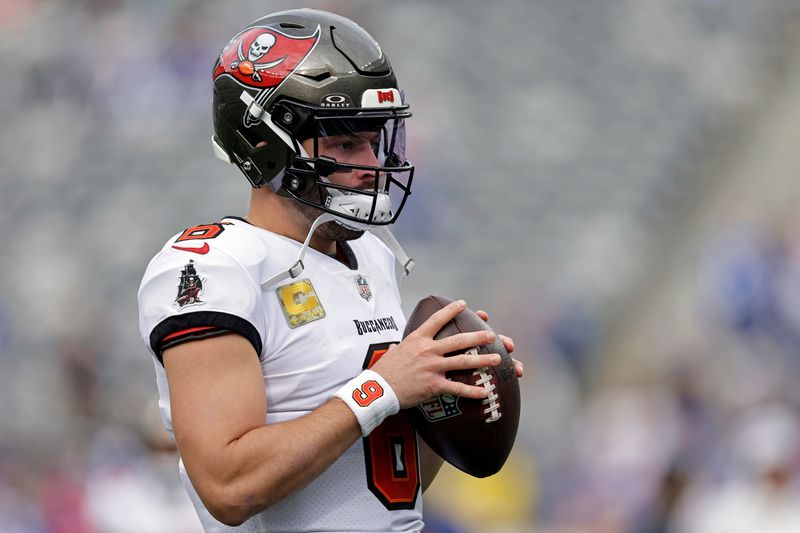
[[336, 232]]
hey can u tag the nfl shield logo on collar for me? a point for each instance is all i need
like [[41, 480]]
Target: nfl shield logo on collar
[[363, 287]]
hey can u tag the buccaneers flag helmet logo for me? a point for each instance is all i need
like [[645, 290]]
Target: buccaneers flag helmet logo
[[262, 58]]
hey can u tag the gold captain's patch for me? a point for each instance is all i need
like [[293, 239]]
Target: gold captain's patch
[[300, 303]]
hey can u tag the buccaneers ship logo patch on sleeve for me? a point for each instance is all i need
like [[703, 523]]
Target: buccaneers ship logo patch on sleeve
[[190, 286], [300, 303]]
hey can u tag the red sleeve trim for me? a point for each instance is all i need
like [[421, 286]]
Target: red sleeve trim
[[197, 325], [187, 331]]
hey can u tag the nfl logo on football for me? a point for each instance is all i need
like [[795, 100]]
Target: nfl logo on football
[[440, 407]]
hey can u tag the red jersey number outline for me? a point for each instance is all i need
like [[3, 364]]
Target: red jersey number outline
[[202, 231], [391, 453]]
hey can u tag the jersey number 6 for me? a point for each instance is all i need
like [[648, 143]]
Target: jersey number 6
[[390, 451]]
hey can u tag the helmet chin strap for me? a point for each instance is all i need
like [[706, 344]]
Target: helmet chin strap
[[386, 236], [297, 268], [381, 232], [360, 206]]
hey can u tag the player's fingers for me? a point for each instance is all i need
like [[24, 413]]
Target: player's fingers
[[437, 320], [508, 343], [464, 341], [483, 315], [519, 367], [466, 361], [456, 388]]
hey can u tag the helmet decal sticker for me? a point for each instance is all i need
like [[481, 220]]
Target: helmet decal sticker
[[389, 97], [261, 58]]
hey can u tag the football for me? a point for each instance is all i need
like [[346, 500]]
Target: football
[[475, 436]]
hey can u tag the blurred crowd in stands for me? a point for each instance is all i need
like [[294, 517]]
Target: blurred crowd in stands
[[545, 168]]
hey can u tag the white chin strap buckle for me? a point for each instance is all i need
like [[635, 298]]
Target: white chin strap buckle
[[360, 206]]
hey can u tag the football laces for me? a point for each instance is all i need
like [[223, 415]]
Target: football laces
[[491, 403]]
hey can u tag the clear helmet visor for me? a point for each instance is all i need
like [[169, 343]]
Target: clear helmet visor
[[362, 166], [386, 138]]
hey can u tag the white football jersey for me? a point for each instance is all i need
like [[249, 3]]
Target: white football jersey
[[312, 334]]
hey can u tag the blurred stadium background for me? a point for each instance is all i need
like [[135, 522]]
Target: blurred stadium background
[[616, 182]]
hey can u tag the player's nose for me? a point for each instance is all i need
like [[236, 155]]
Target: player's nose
[[367, 158]]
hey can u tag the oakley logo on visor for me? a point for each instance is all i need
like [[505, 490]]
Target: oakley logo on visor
[[336, 100]]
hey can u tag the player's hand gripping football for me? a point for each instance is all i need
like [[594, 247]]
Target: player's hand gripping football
[[416, 367]]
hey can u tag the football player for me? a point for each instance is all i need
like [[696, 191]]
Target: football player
[[277, 337]]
